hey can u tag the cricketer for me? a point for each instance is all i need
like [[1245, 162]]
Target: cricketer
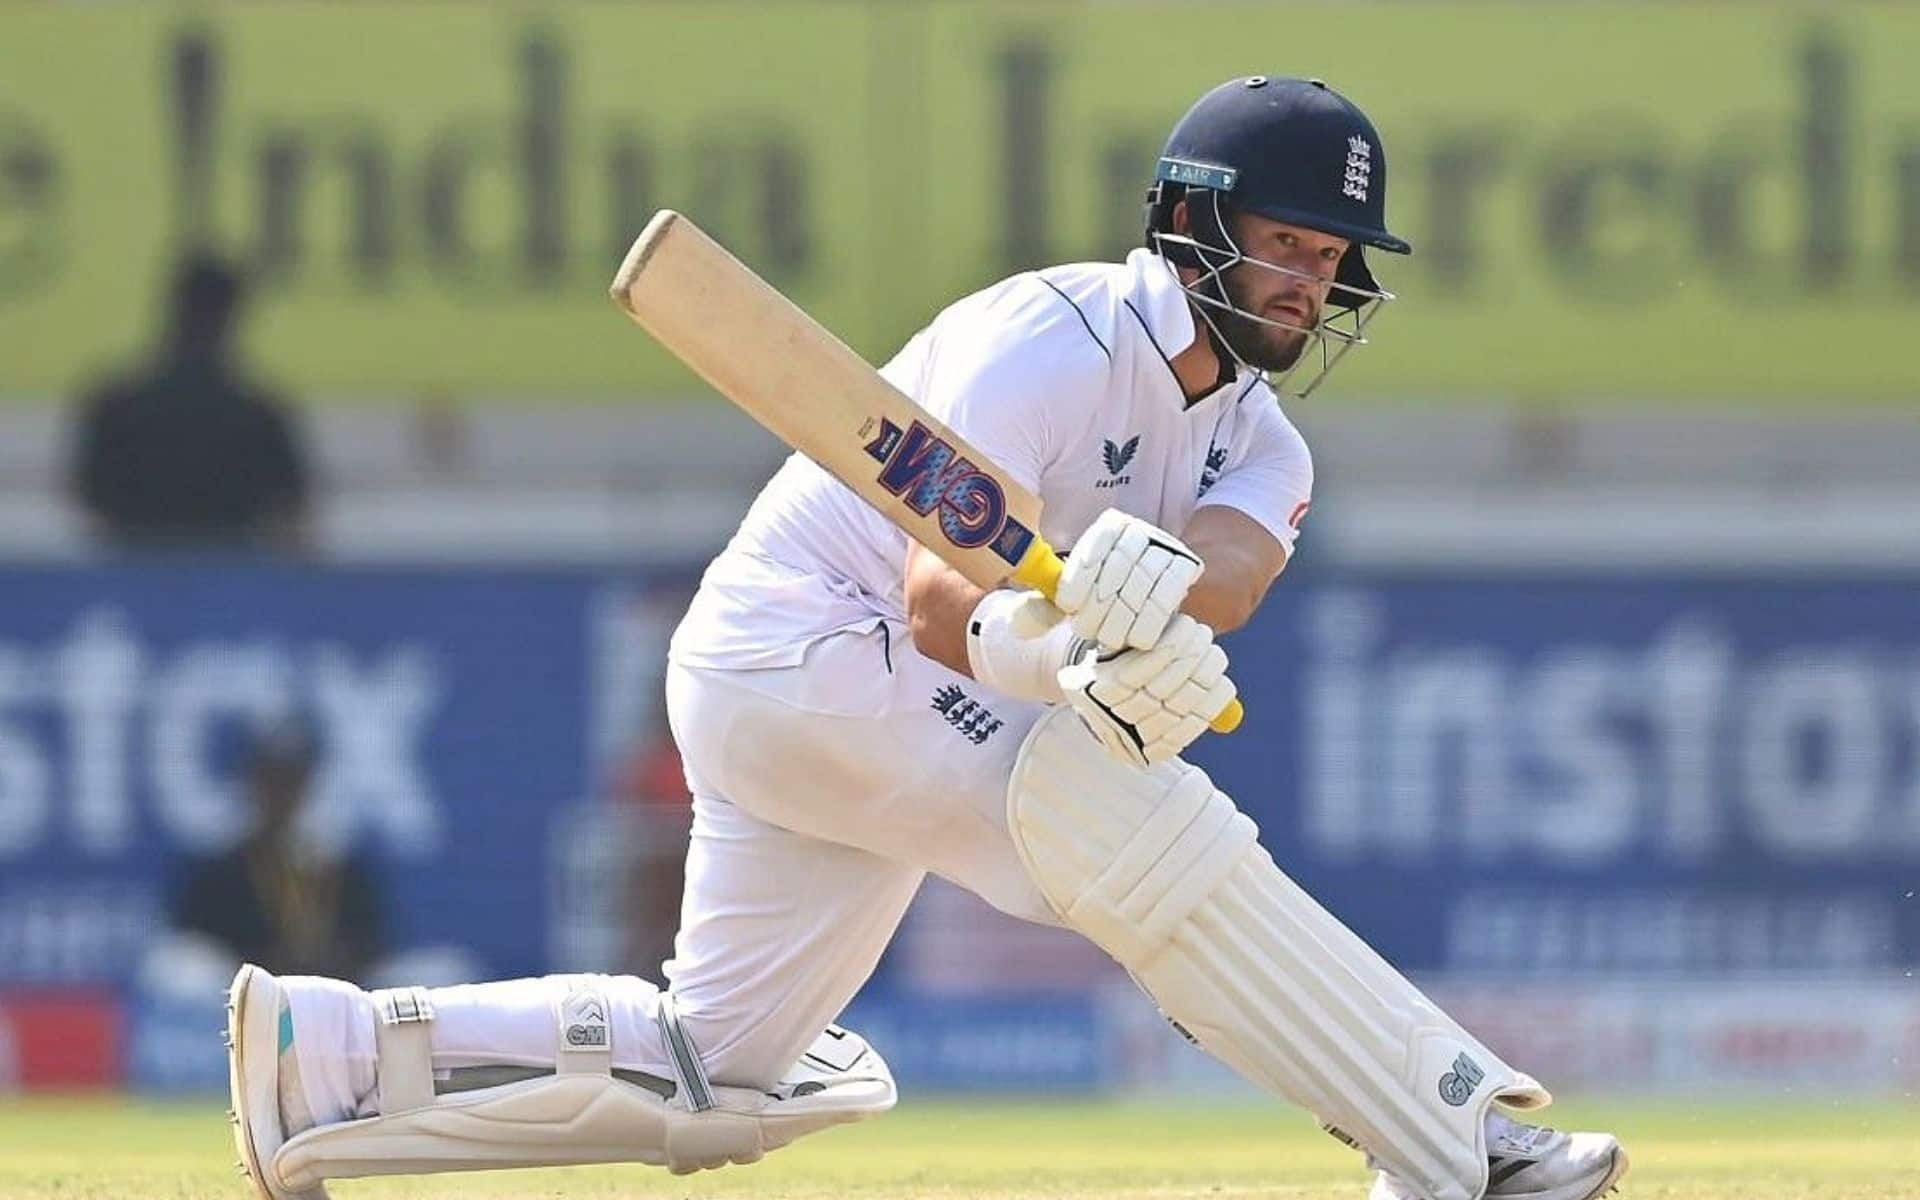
[[854, 713]]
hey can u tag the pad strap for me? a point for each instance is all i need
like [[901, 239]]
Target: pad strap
[[687, 1071], [403, 1040]]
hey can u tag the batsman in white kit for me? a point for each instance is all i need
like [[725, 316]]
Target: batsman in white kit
[[854, 712]]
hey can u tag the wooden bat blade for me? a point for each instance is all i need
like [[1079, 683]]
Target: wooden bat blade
[[761, 351], [766, 355]]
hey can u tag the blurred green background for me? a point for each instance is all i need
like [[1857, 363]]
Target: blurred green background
[[1630, 203]]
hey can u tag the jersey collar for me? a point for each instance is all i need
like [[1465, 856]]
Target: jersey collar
[[1160, 301], [1157, 299]]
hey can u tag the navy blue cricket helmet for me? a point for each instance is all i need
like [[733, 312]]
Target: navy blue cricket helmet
[[1293, 150]]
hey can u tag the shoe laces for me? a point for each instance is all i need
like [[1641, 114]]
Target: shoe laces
[[1518, 1140]]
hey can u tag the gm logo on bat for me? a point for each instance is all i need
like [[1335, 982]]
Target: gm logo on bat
[[919, 466]]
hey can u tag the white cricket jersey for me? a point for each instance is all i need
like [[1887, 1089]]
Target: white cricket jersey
[[1061, 378]]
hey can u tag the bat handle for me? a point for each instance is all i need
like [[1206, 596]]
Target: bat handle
[[1040, 570]]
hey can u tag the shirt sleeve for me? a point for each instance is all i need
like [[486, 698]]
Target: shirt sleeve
[[1272, 481], [1014, 379]]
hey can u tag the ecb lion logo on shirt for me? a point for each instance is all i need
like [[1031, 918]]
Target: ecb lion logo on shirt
[[972, 718], [1210, 474]]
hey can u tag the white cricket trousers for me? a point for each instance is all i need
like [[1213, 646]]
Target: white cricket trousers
[[822, 795]]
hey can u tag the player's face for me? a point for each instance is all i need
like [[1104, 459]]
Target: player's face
[[1291, 298]]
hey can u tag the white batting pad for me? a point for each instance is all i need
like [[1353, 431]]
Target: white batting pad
[[1160, 869], [582, 1113]]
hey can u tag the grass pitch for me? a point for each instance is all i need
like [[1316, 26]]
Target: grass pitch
[[109, 1149]]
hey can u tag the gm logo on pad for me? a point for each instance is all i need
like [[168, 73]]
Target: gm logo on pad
[[1457, 1085]]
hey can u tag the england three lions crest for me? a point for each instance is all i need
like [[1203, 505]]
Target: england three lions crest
[[1359, 169], [970, 717]]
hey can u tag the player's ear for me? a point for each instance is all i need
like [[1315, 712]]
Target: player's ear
[[1182, 219]]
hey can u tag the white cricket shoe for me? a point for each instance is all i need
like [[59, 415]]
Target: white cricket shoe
[[1532, 1162], [262, 1077]]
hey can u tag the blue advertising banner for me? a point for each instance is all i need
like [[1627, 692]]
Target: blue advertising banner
[[1502, 775], [455, 716], [1581, 775], [1014, 1042]]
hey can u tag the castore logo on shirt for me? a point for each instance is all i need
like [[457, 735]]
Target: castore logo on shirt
[[1117, 458]]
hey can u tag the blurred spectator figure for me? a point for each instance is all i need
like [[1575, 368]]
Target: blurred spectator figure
[[187, 452], [274, 900]]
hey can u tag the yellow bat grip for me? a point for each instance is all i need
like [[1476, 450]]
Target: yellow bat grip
[[1040, 569]]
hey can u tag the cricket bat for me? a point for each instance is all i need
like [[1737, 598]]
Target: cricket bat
[[759, 350]]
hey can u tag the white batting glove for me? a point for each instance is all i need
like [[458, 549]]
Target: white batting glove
[[1124, 580], [1018, 643], [1146, 706]]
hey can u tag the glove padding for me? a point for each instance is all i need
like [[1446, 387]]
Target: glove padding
[[1146, 706], [1018, 643], [1124, 580]]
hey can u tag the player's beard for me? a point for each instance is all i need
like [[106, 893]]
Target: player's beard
[[1261, 346]]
